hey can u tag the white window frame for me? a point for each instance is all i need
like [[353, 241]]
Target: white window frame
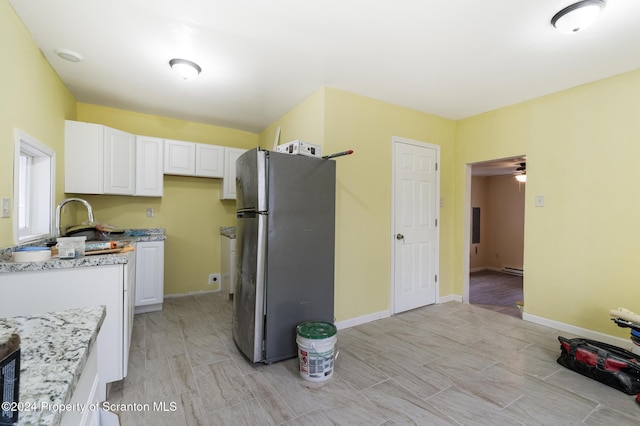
[[40, 185]]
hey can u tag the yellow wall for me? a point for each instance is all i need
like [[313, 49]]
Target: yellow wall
[[363, 193], [581, 146], [33, 99], [190, 209], [582, 149], [501, 202], [305, 121]]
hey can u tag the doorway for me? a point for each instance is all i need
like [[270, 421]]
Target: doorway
[[495, 266], [415, 217]]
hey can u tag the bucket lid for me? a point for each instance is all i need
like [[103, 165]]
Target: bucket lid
[[316, 330]]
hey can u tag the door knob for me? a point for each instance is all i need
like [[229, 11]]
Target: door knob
[[399, 237]]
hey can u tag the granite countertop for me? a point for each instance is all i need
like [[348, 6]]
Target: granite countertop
[[228, 231], [131, 236], [54, 348]]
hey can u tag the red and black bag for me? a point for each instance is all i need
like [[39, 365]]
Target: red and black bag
[[608, 364]]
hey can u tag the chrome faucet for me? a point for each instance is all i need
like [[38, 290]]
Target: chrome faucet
[[68, 200]]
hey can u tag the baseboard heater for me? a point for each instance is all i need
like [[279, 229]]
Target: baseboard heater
[[512, 271]]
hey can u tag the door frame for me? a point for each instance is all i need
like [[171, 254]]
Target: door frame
[[467, 228], [395, 140], [467, 233]]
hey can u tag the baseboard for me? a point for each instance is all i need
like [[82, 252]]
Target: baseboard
[[589, 334], [147, 308], [340, 325], [584, 332], [479, 269], [450, 298], [193, 293]]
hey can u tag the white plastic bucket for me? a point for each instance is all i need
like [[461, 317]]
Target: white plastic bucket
[[316, 348]]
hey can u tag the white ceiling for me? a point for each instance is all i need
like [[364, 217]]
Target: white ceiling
[[260, 58]]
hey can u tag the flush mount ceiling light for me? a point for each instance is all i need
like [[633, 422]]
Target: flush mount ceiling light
[[185, 69], [577, 16], [69, 55]]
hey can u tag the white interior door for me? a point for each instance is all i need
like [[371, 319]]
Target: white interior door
[[415, 228]]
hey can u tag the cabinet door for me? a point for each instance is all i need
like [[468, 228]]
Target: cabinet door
[[179, 158], [84, 162], [149, 274], [228, 191], [34, 292], [209, 160], [119, 162], [149, 166]]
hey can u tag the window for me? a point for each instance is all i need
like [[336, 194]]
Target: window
[[34, 177]]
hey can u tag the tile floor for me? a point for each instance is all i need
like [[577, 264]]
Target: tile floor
[[448, 364]]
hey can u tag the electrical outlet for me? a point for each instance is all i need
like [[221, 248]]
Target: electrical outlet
[[214, 279], [150, 212], [5, 207]]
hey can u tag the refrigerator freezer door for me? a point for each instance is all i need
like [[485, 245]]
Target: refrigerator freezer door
[[300, 249], [250, 181]]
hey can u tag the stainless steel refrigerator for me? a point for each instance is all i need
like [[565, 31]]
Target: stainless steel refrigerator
[[284, 250]]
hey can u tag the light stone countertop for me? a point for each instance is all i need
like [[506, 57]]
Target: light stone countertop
[[132, 236], [228, 231], [54, 349]]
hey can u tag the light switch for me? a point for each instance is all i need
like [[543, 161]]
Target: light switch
[[5, 207], [539, 200]]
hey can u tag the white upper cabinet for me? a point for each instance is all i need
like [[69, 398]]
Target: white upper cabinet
[[179, 158], [149, 166], [228, 190], [119, 162], [103, 160], [83, 158], [193, 159], [209, 160], [98, 159]]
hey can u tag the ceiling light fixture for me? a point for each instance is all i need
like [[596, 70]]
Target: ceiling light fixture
[[185, 69], [577, 16], [69, 55]]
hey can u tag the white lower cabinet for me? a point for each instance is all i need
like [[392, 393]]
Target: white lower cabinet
[[149, 276], [85, 395], [35, 292]]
